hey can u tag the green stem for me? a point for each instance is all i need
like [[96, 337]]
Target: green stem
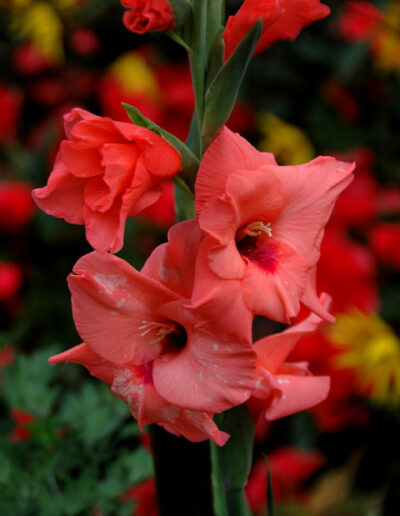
[[198, 59], [231, 463]]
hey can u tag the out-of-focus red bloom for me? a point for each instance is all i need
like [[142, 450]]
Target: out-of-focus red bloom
[[6, 356], [341, 100], [16, 205], [21, 419], [385, 242], [148, 15], [282, 19], [105, 172], [28, 60], [10, 107], [289, 469], [162, 212], [144, 495], [70, 83], [347, 271], [84, 42], [10, 280], [358, 20], [389, 201], [358, 205]]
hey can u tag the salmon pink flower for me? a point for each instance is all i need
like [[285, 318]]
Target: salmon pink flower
[[148, 15], [134, 384], [283, 388], [201, 354], [282, 19], [105, 172], [264, 223]]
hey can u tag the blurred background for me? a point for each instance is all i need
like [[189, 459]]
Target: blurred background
[[67, 446]]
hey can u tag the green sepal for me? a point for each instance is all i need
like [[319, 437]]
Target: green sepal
[[231, 463], [216, 58], [182, 11], [190, 162], [224, 89]]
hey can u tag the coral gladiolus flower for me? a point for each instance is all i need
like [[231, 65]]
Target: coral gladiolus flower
[[134, 384], [148, 15], [284, 388], [105, 172], [264, 223], [282, 19], [201, 354]]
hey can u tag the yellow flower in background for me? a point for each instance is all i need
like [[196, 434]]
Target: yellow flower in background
[[40, 24], [288, 143], [386, 43], [134, 75], [371, 349]]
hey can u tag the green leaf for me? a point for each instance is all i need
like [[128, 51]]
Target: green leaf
[[224, 90], [231, 463], [190, 162], [216, 58]]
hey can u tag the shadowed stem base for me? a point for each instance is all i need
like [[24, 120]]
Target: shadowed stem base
[[182, 471]]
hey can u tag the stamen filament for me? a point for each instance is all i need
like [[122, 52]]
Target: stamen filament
[[254, 229], [163, 330]]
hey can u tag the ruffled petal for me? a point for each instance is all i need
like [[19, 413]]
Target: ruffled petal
[[63, 195], [275, 293], [311, 191], [111, 302], [228, 153], [216, 366]]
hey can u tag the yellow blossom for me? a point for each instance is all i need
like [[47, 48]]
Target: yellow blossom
[[386, 43], [134, 75], [40, 24], [288, 143], [372, 350]]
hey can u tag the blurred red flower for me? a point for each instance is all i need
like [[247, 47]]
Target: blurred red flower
[[10, 107], [385, 242], [10, 280], [16, 205], [21, 419], [144, 495], [289, 469]]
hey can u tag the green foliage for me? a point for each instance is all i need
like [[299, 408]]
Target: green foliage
[[82, 453]]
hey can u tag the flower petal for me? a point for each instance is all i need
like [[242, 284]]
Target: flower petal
[[110, 303], [228, 153]]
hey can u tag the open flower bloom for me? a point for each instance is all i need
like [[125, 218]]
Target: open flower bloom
[[282, 19], [284, 388], [148, 15], [200, 355], [105, 172], [134, 384], [263, 223]]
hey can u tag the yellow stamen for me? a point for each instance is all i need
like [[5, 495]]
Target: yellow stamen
[[162, 330], [254, 229]]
